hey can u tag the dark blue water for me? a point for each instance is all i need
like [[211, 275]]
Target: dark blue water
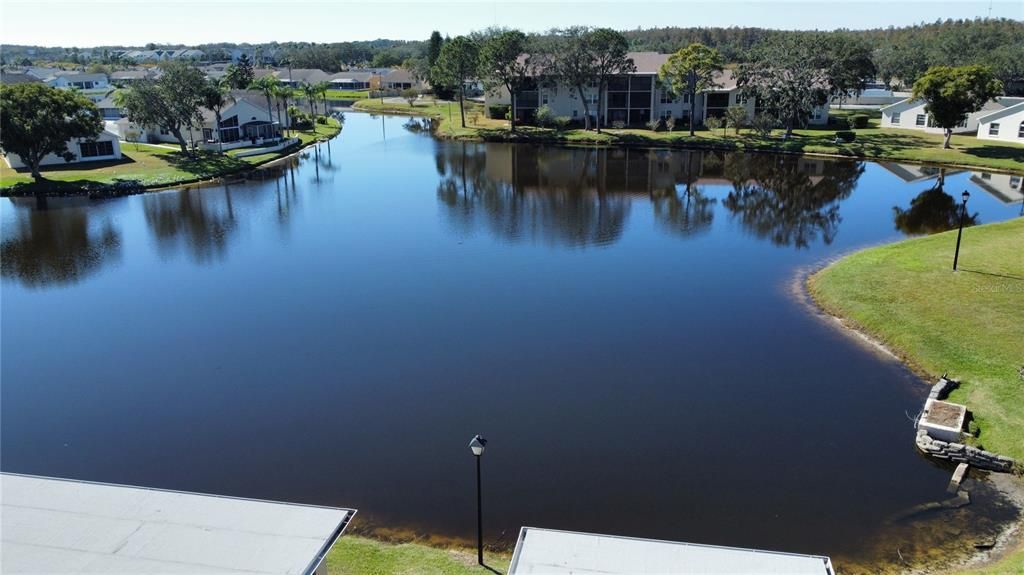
[[618, 323]]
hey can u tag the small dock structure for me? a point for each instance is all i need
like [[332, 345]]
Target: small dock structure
[[65, 526], [554, 552]]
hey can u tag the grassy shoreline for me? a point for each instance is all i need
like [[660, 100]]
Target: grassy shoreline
[[147, 167], [361, 555], [968, 323], [873, 143]]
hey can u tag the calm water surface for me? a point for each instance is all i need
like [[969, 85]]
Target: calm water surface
[[617, 323]]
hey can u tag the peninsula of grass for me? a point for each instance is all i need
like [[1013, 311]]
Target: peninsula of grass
[[872, 143], [148, 166], [353, 555], [969, 323]]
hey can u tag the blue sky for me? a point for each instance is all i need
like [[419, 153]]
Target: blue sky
[[85, 23]]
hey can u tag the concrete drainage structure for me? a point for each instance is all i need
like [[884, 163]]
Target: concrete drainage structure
[[940, 429]]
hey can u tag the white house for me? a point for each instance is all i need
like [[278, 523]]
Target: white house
[[76, 80], [910, 114], [103, 147], [634, 99], [244, 122], [1005, 125]]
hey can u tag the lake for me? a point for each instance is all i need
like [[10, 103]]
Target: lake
[[620, 324]]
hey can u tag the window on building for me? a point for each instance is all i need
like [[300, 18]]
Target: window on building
[[575, 113], [895, 118], [1020, 130], [544, 99], [993, 129], [666, 114], [921, 120], [1015, 182], [686, 98], [666, 97], [94, 149]]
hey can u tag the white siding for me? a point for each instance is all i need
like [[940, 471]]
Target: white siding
[[74, 146], [1010, 128]]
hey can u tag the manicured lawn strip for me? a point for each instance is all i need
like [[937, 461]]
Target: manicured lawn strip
[[347, 94], [158, 165], [969, 323], [354, 555], [871, 143]]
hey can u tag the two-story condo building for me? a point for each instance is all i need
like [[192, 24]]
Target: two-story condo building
[[633, 99]]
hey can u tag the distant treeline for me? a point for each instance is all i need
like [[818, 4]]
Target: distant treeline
[[900, 54]]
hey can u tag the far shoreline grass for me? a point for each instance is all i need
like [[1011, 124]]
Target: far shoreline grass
[[148, 167], [872, 143], [358, 555], [969, 323]]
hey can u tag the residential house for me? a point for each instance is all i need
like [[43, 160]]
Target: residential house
[[78, 80], [633, 99], [353, 80], [129, 77], [109, 109], [11, 78], [910, 114], [105, 146], [1005, 125], [245, 121], [296, 77], [399, 79]]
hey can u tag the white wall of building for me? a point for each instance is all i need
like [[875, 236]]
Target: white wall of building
[[912, 116], [76, 148], [1007, 128]]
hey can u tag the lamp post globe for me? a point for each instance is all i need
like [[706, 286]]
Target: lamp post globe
[[477, 445]]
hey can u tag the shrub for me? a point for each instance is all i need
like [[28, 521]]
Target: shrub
[[670, 123], [656, 125], [735, 117], [859, 120], [618, 124], [562, 122], [499, 112], [763, 124], [544, 116], [410, 95], [714, 123], [839, 123], [845, 136], [321, 120]]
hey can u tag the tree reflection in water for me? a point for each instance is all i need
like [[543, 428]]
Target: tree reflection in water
[[790, 201], [57, 245], [583, 195], [199, 220], [932, 211], [529, 193]]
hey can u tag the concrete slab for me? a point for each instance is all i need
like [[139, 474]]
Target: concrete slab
[[554, 552], [64, 526]]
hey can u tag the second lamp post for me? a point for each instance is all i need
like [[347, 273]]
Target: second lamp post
[[477, 444], [963, 214]]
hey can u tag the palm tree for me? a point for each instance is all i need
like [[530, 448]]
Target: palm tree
[[286, 93], [321, 88], [310, 91], [268, 85], [217, 95]]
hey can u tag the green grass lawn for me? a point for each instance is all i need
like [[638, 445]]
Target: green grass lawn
[[347, 94], [353, 555], [871, 143], [157, 166], [969, 323]]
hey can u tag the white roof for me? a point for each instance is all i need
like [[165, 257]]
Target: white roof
[[553, 552], [64, 526]]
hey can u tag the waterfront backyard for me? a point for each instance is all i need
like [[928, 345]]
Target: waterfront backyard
[[619, 322]]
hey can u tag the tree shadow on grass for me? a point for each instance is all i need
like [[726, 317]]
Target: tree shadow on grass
[[1004, 276], [1014, 153], [77, 166], [204, 163]]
